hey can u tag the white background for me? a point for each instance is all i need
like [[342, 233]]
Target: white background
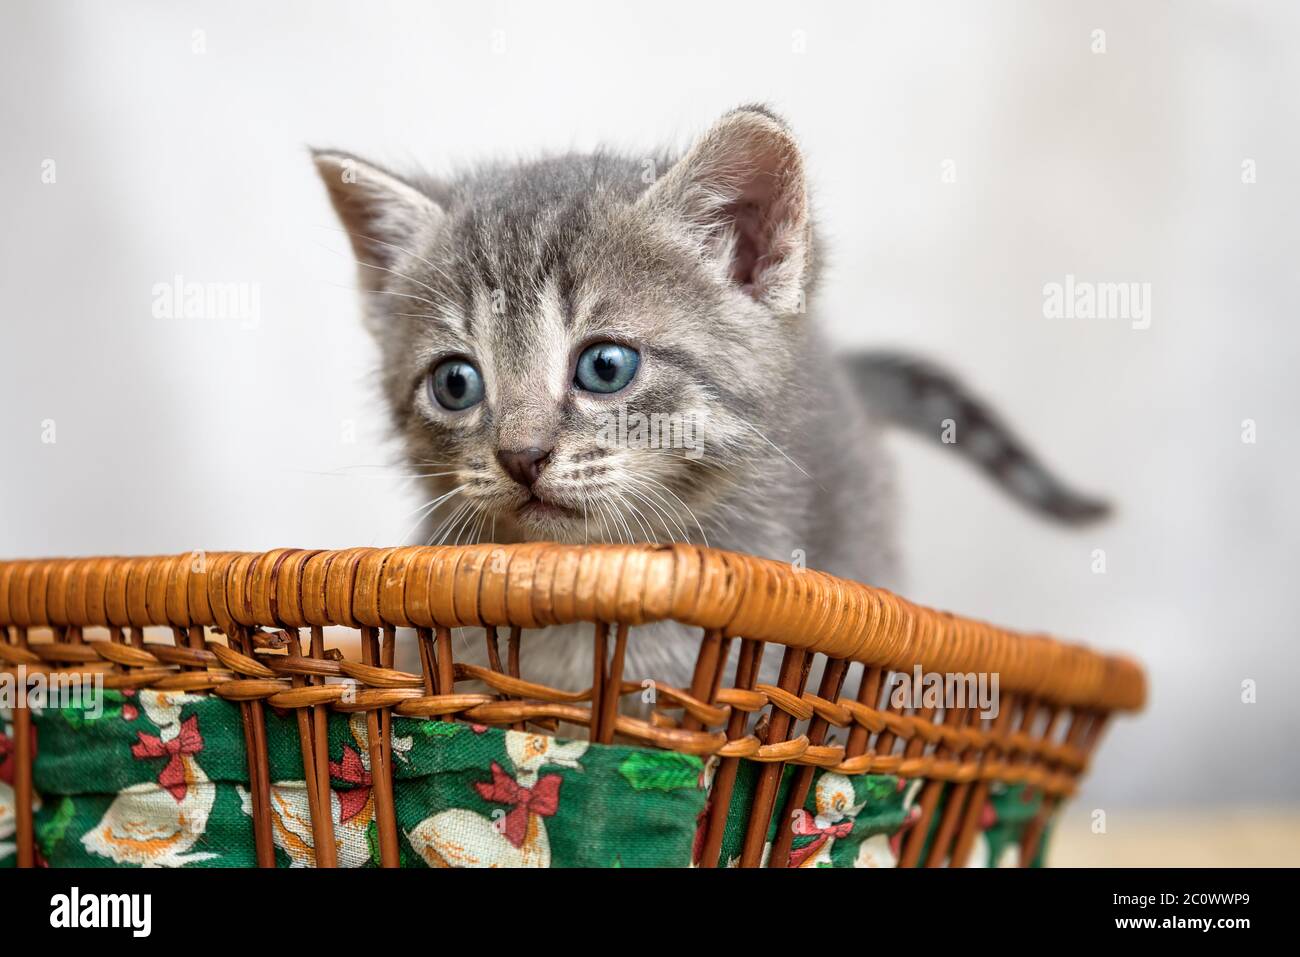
[[1123, 166]]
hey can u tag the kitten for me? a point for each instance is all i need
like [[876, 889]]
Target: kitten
[[524, 310]]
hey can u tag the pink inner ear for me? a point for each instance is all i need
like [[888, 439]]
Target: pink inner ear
[[741, 188], [747, 220], [756, 215]]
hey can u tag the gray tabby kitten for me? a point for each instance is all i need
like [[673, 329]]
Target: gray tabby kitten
[[524, 309]]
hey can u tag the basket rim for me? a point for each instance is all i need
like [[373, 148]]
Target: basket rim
[[534, 585]]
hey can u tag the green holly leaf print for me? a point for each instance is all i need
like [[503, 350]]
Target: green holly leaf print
[[661, 770], [372, 842], [77, 716], [879, 787], [440, 729], [51, 832]]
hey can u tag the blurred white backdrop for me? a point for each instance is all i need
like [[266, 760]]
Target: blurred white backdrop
[[178, 152]]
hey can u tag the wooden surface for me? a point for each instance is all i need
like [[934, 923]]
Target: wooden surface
[[1190, 837]]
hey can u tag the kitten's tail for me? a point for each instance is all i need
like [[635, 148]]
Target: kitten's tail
[[917, 396]]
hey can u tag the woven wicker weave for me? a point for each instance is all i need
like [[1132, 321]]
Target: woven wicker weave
[[88, 615]]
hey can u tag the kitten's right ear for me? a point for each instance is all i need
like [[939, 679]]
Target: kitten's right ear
[[384, 215], [740, 191]]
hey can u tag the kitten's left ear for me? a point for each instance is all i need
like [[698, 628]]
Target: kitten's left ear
[[384, 215], [741, 193]]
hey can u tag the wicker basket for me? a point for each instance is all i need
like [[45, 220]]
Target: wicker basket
[[224, 742]]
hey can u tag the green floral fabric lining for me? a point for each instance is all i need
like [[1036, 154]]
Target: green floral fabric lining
[[860, 821], [160, 780]]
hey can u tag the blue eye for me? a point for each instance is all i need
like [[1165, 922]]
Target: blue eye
[[606, 367], [456, 385]]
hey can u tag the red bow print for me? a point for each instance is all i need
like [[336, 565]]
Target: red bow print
[[7, 755], [805, 824], [187, 742], [542, 799], [352, 801], [701, 825], [988, 816]]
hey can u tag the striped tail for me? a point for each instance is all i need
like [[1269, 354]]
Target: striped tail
[[917, 396]]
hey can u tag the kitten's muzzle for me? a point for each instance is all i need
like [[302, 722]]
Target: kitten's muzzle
[[524, 466]]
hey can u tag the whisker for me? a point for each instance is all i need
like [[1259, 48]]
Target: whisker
[[436, 500], [427, 511], [690, 511], [418, 315], [745, 422], [600, 508], [456, 526], [640, 519], [468, 524], [619, 523], [621, 519], [652, 487], [385, 472], [478, 526], [400, 249], [638, 487], [385, 292], [436, 292], [439, 532], [657, 512], [478, 529]]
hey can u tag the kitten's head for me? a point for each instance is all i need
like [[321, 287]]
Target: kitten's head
[[583, 347]]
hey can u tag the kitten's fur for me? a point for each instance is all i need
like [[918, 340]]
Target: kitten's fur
[[707, 270]]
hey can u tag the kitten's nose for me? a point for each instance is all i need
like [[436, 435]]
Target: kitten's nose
[[523, 466]]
